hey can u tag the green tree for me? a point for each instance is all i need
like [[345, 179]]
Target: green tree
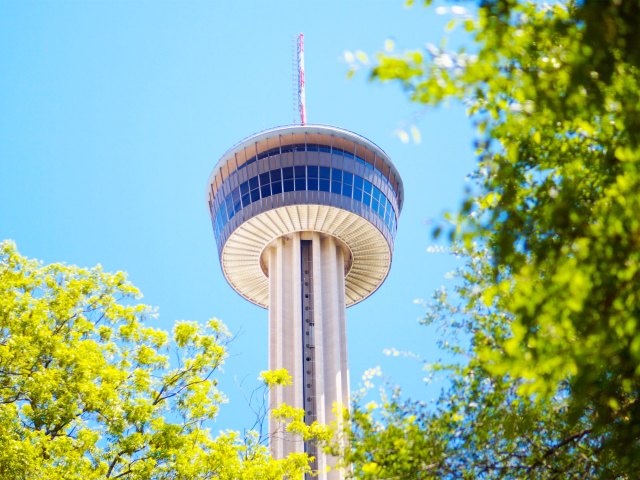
[[87, 390], [554, 92]]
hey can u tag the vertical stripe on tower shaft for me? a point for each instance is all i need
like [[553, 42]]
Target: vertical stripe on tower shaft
[[309, 343]]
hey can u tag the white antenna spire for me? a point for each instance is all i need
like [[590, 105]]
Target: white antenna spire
[[302, 108]]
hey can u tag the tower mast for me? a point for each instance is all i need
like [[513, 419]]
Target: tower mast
[[302, 107]]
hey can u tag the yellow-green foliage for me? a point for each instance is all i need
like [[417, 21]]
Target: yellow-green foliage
[[88, 391]]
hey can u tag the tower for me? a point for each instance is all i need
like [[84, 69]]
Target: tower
[[305, 218]]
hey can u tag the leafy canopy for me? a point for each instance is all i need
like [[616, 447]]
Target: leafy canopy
[[554, 92], [87, 390]]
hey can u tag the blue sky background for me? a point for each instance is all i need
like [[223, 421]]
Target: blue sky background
[[113, 114]]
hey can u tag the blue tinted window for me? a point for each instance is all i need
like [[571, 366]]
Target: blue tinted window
[[237, 206], [246, 200], [276, 187], [255, 195], [324, 185], [357, 194], [312, 148], [376, 193], [253, 183], [358, 182], [300, 184], [265, 190], [264, 179], [276, 175], [324, 148], [347, 178], [325, 172], [300, 171], [244, 188], [346, 190], [312, 171], [288, 185], [287, 172], [367, 187], [312, 183], [366, 198]]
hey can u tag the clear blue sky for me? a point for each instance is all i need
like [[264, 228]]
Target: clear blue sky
[[113, 114]]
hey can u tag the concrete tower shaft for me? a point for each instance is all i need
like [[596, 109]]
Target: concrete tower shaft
[[305, 218], [307, 333]]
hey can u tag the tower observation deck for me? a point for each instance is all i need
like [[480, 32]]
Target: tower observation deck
[[305, 217]]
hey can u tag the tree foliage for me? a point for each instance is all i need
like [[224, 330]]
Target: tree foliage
[[87, 390], [554, 92]]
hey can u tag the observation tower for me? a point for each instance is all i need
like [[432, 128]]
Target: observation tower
[[305, 218]]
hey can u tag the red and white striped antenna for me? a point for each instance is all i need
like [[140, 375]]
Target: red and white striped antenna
[[302, 108]]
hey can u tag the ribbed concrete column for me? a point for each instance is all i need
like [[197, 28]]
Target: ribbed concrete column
[[318, 346], [285, 333]]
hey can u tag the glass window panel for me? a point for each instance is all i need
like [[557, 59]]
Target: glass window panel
[[300, 171], [287, 172], [244, 188], [325, 172], [312, 184], [265, 190], [336, 174], [253, 183], [300, 184], [235, 194], [288, 185], [324, 148], [374, 205], [346, 190], [312, 171], [312, 147], [246, 200], [347, 177], [367, 187], [376, 193], [255, 195], [276, 187], [264, 179], [366, 198], [324, 185], [336, 186], [276, 175], [357, 194], [357, 181]]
